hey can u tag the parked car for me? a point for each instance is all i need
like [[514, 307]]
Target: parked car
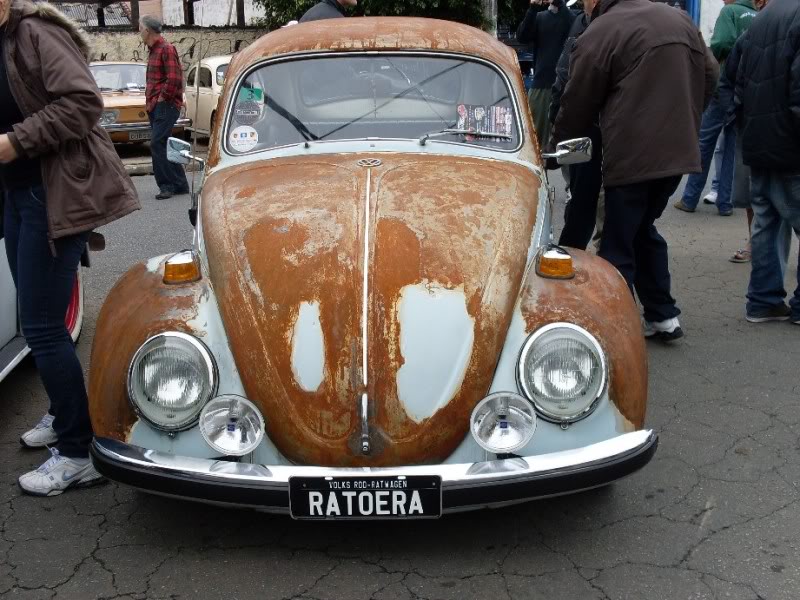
[[13, 348], [204, 83], [125, 117], [373, 321]]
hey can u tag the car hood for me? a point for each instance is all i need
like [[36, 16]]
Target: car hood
[[123, 100], [394, 276]]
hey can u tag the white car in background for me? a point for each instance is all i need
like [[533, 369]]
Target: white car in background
[[13, 348], [204, 83]]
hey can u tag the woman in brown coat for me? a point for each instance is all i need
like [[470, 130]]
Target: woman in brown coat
[[60, 179]]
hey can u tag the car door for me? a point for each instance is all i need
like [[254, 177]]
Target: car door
[[191, 96], [206, 103], [8, 302]]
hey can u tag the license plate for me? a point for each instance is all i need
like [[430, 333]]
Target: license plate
[[399, 497], [136, 136]]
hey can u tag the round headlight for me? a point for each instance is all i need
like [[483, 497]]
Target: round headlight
[[171, 378], [563, 371], [503, 422], [232, 425], [108, 117]]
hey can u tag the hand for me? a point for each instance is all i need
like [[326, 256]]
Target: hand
[[7, 151]]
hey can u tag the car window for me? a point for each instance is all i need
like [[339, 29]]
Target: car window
[[204, 79], [190, 79], [372, 96], [113, 78], [221, 72]]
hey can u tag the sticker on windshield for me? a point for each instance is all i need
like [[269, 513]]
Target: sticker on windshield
[[244, 139], [250, 94], [486, 119], [247, 113]]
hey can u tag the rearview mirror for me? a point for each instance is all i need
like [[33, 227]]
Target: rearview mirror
[[180, 152], [572, 152]]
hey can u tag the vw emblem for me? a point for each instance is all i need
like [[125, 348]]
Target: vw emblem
[[370, 162]]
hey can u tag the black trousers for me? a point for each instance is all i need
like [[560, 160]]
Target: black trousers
[[633, 245], [169, 176], [586, 181]]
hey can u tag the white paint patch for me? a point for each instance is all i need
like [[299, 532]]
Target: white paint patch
[[436, 339], [308, 348], [154, 264]]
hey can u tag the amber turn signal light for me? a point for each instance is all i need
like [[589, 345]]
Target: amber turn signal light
[[554, 262], [184, 267]]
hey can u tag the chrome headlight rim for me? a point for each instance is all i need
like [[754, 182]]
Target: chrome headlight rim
[[109, 117], [542, 411], [208, 362]]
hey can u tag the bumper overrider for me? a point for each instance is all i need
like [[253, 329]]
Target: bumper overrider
[[463, 486]]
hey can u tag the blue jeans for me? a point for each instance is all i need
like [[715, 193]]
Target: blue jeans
[[713, 124], [169, 176], [44, 283], [776, 204], [718, 163]]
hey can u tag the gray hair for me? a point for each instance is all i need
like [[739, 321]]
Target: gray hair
[[154, 24]]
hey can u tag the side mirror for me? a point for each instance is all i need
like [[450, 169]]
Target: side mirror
[[180, 152], [572, 152]]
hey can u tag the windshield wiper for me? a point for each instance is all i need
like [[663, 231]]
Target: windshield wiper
[[472, 132]]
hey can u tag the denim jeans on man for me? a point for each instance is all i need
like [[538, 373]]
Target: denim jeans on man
[[713, 124], [170, 177], [633, 245], [44, 277], [776, 204]]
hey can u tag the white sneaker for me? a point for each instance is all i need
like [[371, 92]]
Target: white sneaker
[[710, 198], [58, 474], [40, 436], [666, 331]]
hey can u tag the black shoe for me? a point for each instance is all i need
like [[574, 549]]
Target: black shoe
[[163, 195], [779, 312]]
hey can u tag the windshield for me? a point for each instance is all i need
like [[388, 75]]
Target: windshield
[[380, 96], [119, 77]]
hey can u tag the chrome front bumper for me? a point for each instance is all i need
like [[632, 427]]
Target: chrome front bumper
[[464, 486], [141, 126]]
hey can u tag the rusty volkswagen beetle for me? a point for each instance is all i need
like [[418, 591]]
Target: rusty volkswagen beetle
[[372, 322]]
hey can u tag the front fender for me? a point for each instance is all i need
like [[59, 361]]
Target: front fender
[[139, 306], [599, 300]]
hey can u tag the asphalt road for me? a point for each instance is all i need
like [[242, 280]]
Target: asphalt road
[[715, 515]]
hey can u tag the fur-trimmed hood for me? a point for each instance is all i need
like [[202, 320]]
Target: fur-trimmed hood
[[23, 9]]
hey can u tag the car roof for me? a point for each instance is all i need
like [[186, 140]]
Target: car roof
[[213, 62], [377, 33]]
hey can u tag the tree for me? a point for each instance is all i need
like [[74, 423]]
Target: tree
[[471, 12]]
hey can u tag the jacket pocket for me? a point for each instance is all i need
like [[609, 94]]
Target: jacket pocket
[[78, 160]]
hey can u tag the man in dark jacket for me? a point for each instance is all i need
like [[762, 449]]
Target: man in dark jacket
[[545, 29], [768, 93], [327, 9], [645, 69]]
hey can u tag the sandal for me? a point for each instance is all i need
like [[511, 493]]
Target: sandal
[[742, 256]]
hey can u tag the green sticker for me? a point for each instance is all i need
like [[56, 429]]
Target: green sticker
[[251, 95]]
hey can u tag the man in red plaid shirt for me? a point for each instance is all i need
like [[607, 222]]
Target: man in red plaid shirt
[[164, 103]]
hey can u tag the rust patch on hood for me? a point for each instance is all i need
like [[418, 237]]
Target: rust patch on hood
[[293, 231], [137, 308], [598, 300]]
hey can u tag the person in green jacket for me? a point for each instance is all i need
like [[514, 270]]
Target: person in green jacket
[[733, 21]]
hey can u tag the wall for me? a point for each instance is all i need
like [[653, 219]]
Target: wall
[[192, 43], [210, 13], [709, 11]]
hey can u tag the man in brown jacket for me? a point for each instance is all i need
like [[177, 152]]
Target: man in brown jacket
[[60, 178], [644, 68]]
